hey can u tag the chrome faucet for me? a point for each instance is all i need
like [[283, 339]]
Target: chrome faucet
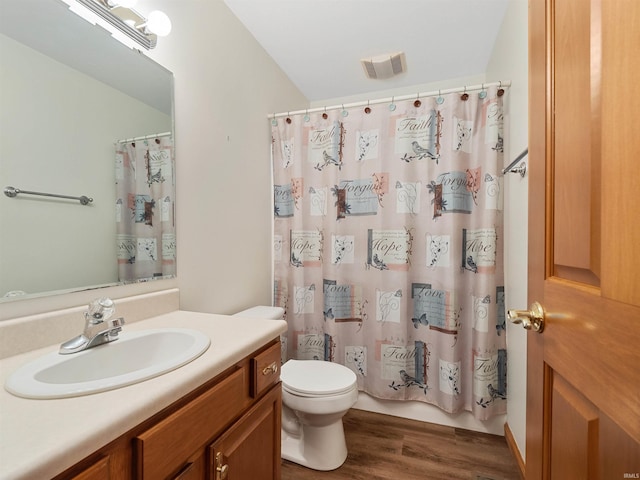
[[99, 327]]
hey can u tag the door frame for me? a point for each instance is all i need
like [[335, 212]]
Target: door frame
[[539, 151]]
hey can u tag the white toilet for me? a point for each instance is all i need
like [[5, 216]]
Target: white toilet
[[315, 397]]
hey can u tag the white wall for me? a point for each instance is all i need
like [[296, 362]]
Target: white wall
[[225, 86], [397, 92], [57, 128], [510, 60]]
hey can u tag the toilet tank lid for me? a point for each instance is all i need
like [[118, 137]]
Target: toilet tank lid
[[263, 311]]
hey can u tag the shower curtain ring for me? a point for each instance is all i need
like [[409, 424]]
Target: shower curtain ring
[[288, 118], [344, 112], [500, 89], [324, 115], [417, 103], [274, 122], [392, 106], [483, 92], [367, 110], [439, 100], [465, 95]]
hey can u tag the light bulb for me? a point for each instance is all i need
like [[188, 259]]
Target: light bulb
[[159, 23]]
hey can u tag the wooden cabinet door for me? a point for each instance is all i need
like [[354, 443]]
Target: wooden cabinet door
[[583, 378], [250, 449]]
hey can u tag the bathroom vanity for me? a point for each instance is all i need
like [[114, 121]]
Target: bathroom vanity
[[215, 417]]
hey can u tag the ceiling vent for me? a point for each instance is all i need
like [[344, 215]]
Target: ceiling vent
[[384, 66]]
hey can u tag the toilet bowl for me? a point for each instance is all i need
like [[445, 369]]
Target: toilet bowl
[[315, 396]]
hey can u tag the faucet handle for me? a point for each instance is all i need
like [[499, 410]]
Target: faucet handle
[[100, 310]]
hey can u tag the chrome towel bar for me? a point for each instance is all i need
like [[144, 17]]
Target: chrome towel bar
[[13, 192]]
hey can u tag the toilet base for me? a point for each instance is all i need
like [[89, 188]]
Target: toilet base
[[319, 448]]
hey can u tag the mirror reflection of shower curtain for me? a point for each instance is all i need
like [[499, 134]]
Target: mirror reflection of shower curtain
[[145, 200]]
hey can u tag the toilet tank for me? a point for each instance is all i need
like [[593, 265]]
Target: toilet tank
[[262, 311]]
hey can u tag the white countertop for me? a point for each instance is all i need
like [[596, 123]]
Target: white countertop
[[42, 438]]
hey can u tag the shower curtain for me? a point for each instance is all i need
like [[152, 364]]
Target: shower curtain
[[388, 246], [145, 196]]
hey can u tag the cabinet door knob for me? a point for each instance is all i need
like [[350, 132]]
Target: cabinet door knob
[[273, 368], [222, 469]]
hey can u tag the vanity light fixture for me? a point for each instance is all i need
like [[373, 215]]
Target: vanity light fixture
[[121, 15]]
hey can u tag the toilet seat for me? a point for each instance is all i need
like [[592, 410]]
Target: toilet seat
[[316, 378]]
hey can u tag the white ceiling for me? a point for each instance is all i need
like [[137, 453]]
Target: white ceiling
[[319, 43]]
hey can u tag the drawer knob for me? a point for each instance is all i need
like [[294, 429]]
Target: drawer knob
[[273, 368]]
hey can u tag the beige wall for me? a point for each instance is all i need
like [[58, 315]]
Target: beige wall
[[509, 60], [225, 86]]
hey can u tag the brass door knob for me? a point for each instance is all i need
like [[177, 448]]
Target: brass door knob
[[532, 319]]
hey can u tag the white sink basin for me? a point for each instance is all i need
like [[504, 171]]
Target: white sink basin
[[133, 358]]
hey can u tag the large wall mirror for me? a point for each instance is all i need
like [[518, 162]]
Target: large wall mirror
[[69, 93]]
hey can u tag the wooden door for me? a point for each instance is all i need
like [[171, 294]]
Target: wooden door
[[250, 449], [583, 376]]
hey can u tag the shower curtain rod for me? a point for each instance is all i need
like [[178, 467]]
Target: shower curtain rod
[[144, 137], [400, 98], [521, 169]]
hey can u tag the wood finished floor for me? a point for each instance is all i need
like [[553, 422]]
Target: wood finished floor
[[382, 447]]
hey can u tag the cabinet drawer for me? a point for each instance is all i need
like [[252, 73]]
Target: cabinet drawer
[[265, 370], [165, 447], [98, 471]]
